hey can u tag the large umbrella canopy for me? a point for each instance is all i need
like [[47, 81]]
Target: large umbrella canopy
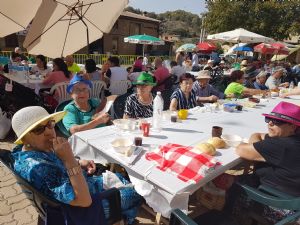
[[61, 28], [205, 46], [265, 49], [243, 49], [144, 39], [281, 48], [239, 35], [15, 15], [186, 48]]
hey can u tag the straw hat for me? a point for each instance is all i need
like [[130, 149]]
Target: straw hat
[[203, 74], [28, 118], [286, 112]]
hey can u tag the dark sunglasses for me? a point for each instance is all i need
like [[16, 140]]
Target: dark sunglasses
[[275, 121], [41, 128]]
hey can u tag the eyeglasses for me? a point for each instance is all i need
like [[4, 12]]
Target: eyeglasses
[[41, 128], [84, 90], [275, 122]]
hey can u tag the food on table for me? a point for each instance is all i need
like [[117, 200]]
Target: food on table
[[217, 142], [207, 148]]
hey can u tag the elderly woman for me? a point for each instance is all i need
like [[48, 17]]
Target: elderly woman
[[236, 87], [59, 74], [140, 104], [83, 111], [184, 97], [260, 81], [47, 162]]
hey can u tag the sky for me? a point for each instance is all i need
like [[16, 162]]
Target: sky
[[159, 6]]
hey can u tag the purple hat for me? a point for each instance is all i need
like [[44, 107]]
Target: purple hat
[[286, 112]]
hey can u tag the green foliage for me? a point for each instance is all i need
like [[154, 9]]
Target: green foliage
[[276, 19], [178, 22]]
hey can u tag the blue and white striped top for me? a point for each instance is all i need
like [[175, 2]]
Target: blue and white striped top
[[184, 103]]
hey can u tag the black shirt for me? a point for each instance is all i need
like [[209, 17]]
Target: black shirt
[[282, 167]]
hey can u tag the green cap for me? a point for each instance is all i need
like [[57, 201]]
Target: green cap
[[145, 79]]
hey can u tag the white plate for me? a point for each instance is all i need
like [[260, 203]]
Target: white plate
[[296, 97]]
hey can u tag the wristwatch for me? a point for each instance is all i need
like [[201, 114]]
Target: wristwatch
[[74, 171]]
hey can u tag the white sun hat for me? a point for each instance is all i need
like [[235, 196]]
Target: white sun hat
[[28, 118]]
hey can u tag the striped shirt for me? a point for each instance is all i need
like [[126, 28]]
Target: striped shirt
[[135, 109], [183, 103]]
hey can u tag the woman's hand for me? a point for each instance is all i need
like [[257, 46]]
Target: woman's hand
[[88, 165], [102, 118], [62, 149]]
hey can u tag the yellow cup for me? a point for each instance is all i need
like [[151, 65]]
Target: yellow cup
[[183, 114]]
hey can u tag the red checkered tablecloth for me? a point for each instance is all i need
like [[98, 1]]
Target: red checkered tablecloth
[[185, 163]]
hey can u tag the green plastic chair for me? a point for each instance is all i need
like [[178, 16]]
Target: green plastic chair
[[268, 196], [60, 124]]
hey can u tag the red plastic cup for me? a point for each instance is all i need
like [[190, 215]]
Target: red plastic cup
[[146, 128]]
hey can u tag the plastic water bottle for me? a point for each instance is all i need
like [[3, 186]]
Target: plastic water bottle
[[299, 85], [291, 87], [158, 106], [10, 67]]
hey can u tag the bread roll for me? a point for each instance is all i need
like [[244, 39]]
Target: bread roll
[[206, 148], [217, 142]]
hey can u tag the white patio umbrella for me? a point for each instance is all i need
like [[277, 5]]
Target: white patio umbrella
[[239, 35], [15, 15], [63, 27]]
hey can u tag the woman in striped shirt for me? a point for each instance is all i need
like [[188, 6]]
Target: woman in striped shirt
[[184, 97], [140, 104]]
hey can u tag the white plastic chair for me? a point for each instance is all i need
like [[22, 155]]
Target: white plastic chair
[[98, 88], [119, 87], [59, 91]]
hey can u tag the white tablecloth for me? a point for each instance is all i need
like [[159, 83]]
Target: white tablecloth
[[162, 190]]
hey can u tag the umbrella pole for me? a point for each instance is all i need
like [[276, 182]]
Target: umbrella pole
[[143, 50]]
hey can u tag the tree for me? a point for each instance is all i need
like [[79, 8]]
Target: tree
[[276, 19]]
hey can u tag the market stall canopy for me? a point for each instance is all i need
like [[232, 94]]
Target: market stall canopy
[[206, 47], [243, 49], [282, 57], [239, 35], [61, 28], [15, 15]]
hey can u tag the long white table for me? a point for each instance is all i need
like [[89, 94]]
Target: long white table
[[163, 191]]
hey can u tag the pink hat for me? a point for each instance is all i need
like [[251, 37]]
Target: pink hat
[[287, 112], [138, 64]]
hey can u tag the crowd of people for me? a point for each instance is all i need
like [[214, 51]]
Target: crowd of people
[[48, 163]]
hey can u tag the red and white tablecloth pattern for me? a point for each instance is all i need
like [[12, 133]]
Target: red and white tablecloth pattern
[[186, 163]]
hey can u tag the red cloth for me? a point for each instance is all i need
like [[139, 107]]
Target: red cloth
[[183, 162]]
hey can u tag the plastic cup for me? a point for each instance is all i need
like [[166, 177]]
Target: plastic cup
[[145, 128], [183, 114], [216, 131]]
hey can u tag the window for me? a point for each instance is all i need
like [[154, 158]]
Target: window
[[135, 28], [115, 42]]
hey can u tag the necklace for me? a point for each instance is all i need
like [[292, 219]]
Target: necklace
[[145, 103]]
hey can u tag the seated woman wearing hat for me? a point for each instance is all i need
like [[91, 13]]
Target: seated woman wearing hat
[[47, 162], [184, 97], [83, 111], [140, 104], [237, 88], [277, 152], [204, 91]]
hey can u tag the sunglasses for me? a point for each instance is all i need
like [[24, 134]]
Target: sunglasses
[[41, 128], [275, 122]]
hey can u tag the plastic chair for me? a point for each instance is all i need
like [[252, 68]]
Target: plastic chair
[[268, 196], [119, 106], [60, 124], [60, 91], [179, 218], [51, 211], [119, 87], [98, 89]]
